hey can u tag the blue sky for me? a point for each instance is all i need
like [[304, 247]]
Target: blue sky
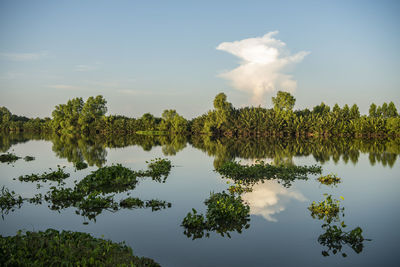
[[147, 56]]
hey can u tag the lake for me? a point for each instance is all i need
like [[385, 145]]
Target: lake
[[282, 231]]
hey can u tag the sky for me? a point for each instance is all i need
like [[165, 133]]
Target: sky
[[148, 56]]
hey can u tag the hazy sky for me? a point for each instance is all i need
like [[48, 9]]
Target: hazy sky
[[147, 56]]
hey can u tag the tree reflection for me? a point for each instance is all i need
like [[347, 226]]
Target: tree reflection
[[280, 150]]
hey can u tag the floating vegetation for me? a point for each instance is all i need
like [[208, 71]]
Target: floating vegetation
[[264, 171], [155, 204], [57, 176], [29, 158], [225, 213], [158, 168], [131, 203], [335, 238], [239, 189], [327, 209], [8, 158], [330, 179], [9, 201], [66, 248], [63, 197], [115, 178], [81, 165]]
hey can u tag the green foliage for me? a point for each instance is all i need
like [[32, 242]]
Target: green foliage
[[335, 237], [66, 248], [330, 179], [283, 101], [8, 201], [115, 178], [131, 202], [328, 210], [263, 171], [225, 213], [57, 176], [80, 165], [9, 158]]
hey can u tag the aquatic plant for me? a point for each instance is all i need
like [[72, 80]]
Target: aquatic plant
[[80, 165], [94, 204], [131, 202], [8, 201], [225, 213], [335, 238], [157, 168], [29, 158], [63, 197], [66, 248], [330, 179], [156, 204], [8, 157], [115, 178], [263, 171], [327, 209], [57, 176]]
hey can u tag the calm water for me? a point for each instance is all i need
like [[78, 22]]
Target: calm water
[[281, 233]]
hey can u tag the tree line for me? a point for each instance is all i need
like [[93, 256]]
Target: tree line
[[87, 118]]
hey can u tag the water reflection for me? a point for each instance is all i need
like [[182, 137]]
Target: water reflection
[[270, 198], [335, 237], [282, 151]]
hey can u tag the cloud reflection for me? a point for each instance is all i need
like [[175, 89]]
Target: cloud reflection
[[270, 198]]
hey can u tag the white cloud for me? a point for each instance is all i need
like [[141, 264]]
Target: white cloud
[[270, 198], [264, 61], [22, 56]]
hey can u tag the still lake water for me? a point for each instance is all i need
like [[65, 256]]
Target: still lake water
[[282, 231]]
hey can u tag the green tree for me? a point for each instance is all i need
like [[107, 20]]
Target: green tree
[[283, 101], [372, 110]]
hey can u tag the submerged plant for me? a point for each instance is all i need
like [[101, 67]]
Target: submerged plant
[[327, 209], [264, 171], [225, 213], [66, 248], [330, 179]]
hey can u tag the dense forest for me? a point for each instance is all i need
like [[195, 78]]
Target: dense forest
[[88, 118]]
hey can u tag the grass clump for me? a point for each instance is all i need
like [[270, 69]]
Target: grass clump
[[66, 248], [8, 158], [330, 179], [263, 171], [225, 213]]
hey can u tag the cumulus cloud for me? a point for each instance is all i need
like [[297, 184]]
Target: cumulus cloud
[[270, 198], [263, 66]]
